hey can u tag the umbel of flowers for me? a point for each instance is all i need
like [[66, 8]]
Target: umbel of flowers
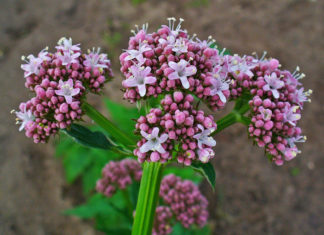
[[181, 199], [169, 60], [59, 82], [177, 123], [277, 100]]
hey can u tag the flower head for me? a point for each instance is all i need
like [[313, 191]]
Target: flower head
[[154, 142], [140, 77], [67, 90], [204, 138], [182, 71], [68, 57]]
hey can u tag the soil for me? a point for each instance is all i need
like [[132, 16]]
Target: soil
[[252, 196]]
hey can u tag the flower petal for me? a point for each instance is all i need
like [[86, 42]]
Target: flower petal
[[146, 147], [155, 132], [142, 90], [184, 81]]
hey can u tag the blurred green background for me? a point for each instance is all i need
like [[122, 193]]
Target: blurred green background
[[252, 196]]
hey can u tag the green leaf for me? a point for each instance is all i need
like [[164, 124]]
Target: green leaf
[[207, 170], [96, 204], [88, 138], [123, 116], [75, 163]]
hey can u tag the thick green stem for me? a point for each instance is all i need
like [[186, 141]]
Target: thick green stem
[[107, 125], [147, 198], [236, 116]]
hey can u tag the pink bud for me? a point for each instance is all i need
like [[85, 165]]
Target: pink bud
[[64, 108], [178, 96], [180, 117], [155, 156]]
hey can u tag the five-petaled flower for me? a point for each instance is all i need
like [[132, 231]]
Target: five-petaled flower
[[67, 90], [154, 142], [96, 60], [218, 85], [182, 71], [137, 54], [65, 44], [24, 117], [140, 77], [290, 115], [204, 138], [273, 84], [32, 66]]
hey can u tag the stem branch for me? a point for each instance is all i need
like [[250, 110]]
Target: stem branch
[[107, 125]]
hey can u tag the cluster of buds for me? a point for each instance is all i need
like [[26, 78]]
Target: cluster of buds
[[163, 221], [118, 175], [169, 60], [187, 203], [182, 199], [176, 123], [278, 99], [60, 82]]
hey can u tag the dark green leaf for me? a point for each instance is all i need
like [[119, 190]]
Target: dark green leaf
[[88, 138], [207, 170]]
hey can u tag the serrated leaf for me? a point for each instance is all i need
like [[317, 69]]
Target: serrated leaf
[[207, 170], [88, 138]]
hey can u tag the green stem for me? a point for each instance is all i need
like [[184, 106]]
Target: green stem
[[107, 125], [236, 116], [147, 198]]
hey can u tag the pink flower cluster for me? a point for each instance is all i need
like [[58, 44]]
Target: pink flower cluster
[[176, 123], [163, 221], [168, 60], [277, 101], [118, 175], [60, 81], [182, 199], [187, 203]]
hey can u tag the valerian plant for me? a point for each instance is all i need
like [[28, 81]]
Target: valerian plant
[[168, 74]]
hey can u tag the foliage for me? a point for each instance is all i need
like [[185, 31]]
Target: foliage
[[85, 162]]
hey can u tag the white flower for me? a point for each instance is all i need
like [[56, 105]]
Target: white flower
[[23, 118], [32, 66], [181, 71], [273, 84], [180, 46], [65, 44], [96, 60], [204, 138], [140, 77], [137, 54], [154, 142]]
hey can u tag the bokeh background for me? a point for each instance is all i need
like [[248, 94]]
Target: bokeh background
[[252, 196]]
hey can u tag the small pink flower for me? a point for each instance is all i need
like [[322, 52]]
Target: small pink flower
[[140, 77], [182, 71], [204, 138], [273, 84], [67, 90], [154, 142]]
